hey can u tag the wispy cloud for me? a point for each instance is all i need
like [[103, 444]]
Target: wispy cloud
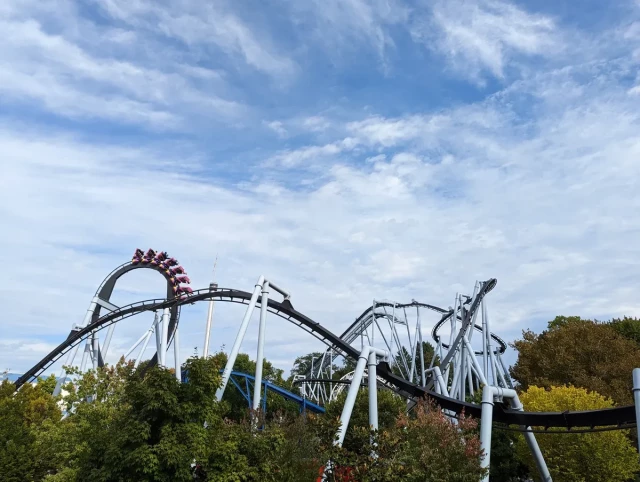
[[484, 35], [200, 25]]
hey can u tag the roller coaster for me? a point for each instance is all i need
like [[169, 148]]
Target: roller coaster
[[460, 368]]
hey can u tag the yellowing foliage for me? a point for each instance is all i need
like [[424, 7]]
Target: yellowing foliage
[[586, 457]]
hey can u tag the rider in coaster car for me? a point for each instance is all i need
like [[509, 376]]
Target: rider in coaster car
[[183, 279], [137, 256], [171, 262], [178, 270]]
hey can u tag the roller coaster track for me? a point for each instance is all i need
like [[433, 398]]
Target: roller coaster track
[[611, 417]]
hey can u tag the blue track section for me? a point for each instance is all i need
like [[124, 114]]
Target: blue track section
[[245, 383]]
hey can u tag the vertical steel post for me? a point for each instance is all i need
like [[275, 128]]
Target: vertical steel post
[[636, 398], [158, 329], [236, 345], [163, 338], [95, 350], [486, 418], [87, 348], [485, 338], [373, 390], [423, 378], [207, 331], [176, 354], [257, 387], [107, 342], [89, 314], [475, 363]]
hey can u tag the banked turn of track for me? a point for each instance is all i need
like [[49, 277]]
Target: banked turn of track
[[611, 417]]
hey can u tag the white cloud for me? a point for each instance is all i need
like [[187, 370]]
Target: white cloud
[[316, 123], [74, 76], [199, 25], [484, 35], [341, 25], [277, 127]]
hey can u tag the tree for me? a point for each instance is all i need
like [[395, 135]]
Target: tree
[[22, 416], [579, 352], [584, 457], [627, 327], [239, 407], [390, 407], [302, 364], [422, 446]]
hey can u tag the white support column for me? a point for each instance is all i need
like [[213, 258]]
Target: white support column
[[87, 349], [423, 378], [486, 419], [347, 409], [636, 399], [440, 380], [158, 324], [207, 331], [95, 350], [236, 345], [89, 313], [485, 339], [257, 388], [330, 373], [373, 389], [176, 354], [107, 342], [474, 361], [163, 338], [351, 395]]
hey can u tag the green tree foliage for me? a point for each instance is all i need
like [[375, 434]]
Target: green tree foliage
[[124, 425], [588, 457], [390, 407], [579, 352], [239, 407], [627, 327], [23, 415], [422, 446]]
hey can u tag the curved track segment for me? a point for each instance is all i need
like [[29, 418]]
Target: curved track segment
[[620, 416]]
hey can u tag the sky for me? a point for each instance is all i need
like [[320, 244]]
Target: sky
[[345, 149]]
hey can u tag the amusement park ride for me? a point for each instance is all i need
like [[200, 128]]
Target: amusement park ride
[[385, 341]]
